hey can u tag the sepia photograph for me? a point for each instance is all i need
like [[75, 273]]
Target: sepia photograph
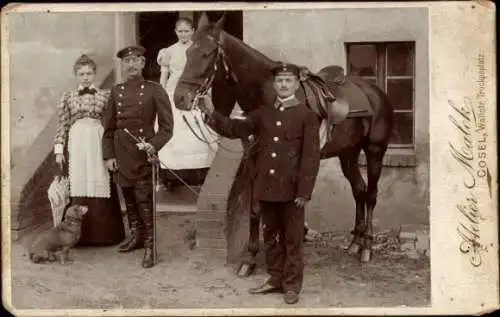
[[213, 158]]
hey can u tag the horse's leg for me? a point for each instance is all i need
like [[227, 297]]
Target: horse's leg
[[350, 168], [248, 262], [374, 157]]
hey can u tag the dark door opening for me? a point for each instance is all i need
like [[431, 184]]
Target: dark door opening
[[156, 31]]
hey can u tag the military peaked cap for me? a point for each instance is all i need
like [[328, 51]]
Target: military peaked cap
[[285, 68], [131, 50]]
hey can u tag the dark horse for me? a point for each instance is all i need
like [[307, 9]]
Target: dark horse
[[237, 72]]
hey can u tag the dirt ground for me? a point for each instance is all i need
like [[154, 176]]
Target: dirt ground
[[102, 278]]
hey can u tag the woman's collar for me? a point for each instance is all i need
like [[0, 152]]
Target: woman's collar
[[91, 86]]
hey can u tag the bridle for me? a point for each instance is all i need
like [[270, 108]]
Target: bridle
[[220, 57]]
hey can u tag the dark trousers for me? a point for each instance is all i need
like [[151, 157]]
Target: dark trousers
[[139, 203], [283, 236]]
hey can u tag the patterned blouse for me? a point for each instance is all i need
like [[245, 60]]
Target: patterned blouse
[[72, 107]]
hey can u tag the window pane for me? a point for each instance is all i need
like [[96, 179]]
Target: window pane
[[402, 132], [362, 59], [400, 93], [400, 59]]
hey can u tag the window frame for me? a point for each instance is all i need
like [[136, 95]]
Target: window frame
[[381, 76]]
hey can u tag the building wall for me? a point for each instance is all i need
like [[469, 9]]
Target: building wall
[[43, 48], [403, 191]]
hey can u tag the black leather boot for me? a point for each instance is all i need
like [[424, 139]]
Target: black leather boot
[[148, 260], [135, 240], [144, 194]]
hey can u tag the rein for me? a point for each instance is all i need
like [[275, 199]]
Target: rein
[[204, 139]]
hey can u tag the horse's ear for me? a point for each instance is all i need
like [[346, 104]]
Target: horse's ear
[[219, 25], [203, 21]]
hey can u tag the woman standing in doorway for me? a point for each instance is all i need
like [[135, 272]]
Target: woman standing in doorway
[[184, 151], [79, 134]]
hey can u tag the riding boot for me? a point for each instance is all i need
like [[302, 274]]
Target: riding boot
[[148, 260], [134, 241], [144, 191]]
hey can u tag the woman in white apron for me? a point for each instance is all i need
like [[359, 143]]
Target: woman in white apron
[[184, 151], [78, 150]]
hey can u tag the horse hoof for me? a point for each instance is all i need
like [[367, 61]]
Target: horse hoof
[[365, 255], [246, 270], [353, 249]]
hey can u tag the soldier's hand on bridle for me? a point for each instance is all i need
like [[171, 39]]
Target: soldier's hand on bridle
[[205, 104], [112, 164], [301, 202]]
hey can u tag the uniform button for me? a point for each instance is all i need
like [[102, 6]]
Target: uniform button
[[276, 139], [140, 130], [282, 109], [119, 112], [119, 103], [120, 95], [278, 123], [271, 171], [142, 86], [273, 154], [141, 94], [140, 102], [122, 88]]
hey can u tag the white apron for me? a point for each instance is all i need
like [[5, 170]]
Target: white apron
[[185, 150], [88, 175]]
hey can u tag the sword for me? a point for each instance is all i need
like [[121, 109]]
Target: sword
[[155, 185]]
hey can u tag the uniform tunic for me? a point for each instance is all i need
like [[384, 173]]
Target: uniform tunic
[[134, 105], [288, 148]]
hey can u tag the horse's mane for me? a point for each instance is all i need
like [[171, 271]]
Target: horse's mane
[[253, 52]]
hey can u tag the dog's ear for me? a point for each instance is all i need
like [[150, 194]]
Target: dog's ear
[[84, 210]]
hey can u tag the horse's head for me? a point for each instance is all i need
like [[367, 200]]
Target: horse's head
[[202, 60]]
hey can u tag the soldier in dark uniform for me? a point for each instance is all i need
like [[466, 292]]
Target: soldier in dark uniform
[[288, 157], [134, 105]]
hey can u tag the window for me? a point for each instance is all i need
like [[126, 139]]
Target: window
[[389, 65]]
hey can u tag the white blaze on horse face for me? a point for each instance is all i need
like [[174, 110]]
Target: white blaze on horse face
[[285, 85]]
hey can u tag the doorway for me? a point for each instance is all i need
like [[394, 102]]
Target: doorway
[[156, 30]]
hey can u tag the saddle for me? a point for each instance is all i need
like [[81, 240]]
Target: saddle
[[333, 96]]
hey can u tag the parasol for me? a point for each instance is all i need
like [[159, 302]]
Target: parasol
[[58, 193]]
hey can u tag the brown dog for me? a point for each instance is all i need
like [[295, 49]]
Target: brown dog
[[62, 237]]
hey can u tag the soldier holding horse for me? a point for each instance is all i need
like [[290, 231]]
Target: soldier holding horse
[[237, 72], [287, 165]]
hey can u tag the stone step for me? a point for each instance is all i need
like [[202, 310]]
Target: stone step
[[213, 253], [211, 215], [209, 224], [211, 243], [210, 234]]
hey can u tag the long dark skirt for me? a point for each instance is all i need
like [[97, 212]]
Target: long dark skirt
[[103, 223]]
